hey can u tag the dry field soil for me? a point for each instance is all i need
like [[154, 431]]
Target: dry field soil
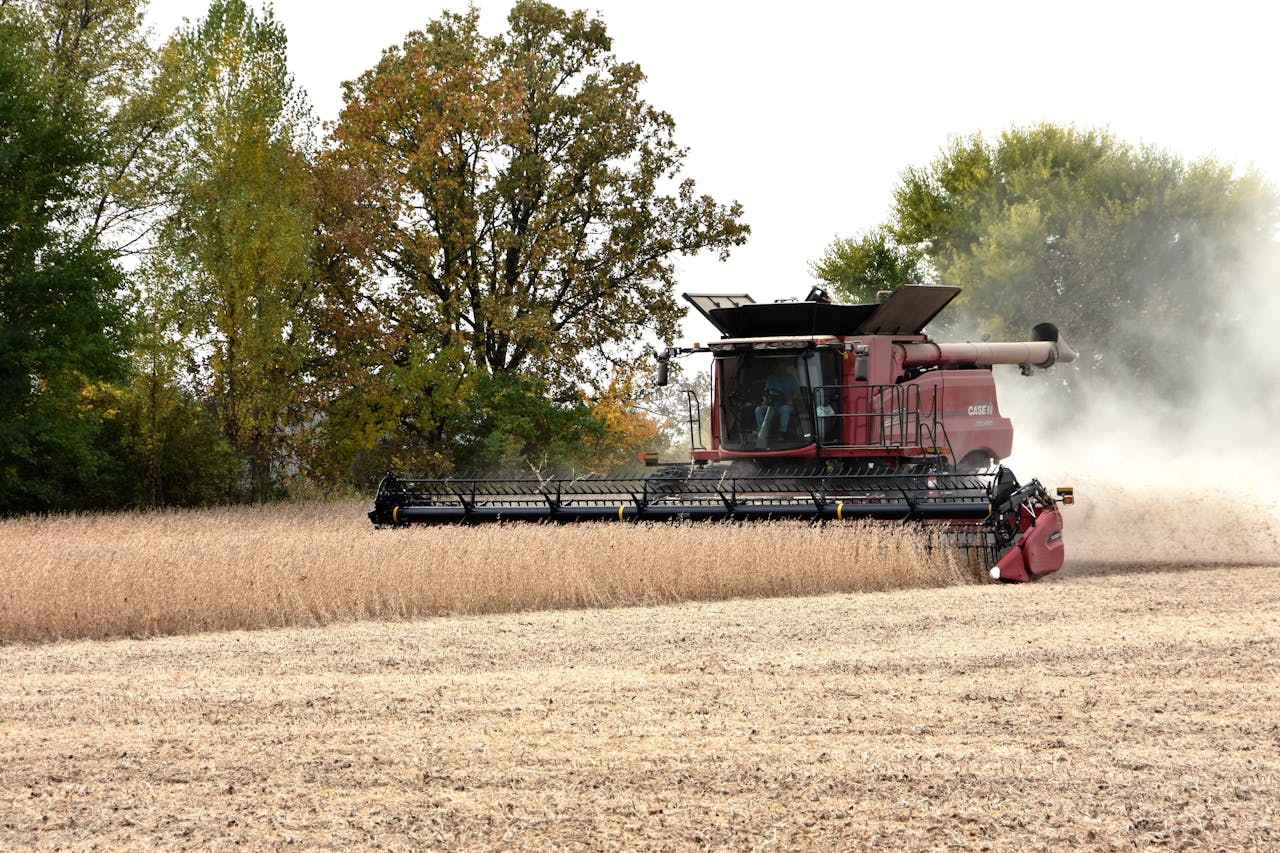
[[1112, 707]]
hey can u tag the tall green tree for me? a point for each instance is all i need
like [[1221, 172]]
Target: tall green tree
[[102, 65], [170, 440], [61, 326], [508, 205], [1132, 251], [238, 244], [858, 268]]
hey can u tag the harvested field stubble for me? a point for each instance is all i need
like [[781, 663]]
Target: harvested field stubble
[[149, 574], [1107, 711]]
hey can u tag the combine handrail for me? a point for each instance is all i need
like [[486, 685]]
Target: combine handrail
[[694, 412], [895, 415]]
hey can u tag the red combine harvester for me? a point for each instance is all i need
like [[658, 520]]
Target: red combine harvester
[[821, 412]]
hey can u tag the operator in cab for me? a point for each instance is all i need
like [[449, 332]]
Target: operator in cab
[[780, 392]]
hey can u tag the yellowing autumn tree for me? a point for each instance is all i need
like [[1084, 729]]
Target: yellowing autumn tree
[[237, 246], [500, 212]]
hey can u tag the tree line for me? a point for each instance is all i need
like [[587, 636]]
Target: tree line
[[203, 300], [206, 297]]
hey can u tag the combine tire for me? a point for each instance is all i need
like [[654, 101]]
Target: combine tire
[[669, 480]]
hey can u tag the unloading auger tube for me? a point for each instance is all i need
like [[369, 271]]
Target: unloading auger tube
[[1016, 528]]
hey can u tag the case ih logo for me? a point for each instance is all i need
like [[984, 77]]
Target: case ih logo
[[982, 409]]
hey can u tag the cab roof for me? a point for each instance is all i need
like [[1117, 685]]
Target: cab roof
[[906, 312]]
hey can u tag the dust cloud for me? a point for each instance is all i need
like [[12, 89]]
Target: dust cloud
[[1182, 477]]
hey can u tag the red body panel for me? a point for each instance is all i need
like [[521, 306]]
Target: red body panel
[[971, 413], [1011, 567], [1036, 550], [1042, 545]]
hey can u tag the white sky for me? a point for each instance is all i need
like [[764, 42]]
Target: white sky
[[807, 112]]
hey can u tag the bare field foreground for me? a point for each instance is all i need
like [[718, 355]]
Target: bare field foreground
[[1113, 709]]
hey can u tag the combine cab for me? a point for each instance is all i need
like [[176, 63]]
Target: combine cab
[[820, 412]]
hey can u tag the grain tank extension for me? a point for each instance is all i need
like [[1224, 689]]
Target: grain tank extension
[[821, 412]]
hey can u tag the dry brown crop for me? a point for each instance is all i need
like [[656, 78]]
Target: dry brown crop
[[149, 574]]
